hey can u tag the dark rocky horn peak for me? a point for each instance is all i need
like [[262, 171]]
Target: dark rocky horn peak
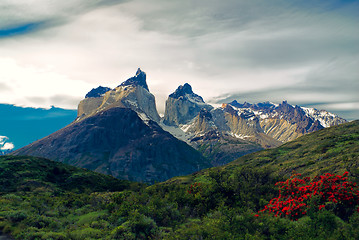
[[138, 80], [184, 90], [239, 105], [285, 107], [97, 92]]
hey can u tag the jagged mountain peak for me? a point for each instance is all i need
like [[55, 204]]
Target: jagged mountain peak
[[97, 92], [239, 105], [185, 91], [182, 90], [139, 80], [229, 108], [183, 105], [132, 93], [255, 106]]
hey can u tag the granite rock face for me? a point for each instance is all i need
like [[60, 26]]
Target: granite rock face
[[216, 145], [285, 122], [183, 105], [132, 93], [118, 142], [261, 125]]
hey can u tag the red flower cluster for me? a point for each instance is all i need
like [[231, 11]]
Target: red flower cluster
[[194, 188], [295, 195]]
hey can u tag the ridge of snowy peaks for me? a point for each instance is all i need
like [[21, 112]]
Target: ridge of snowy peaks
[[290, 112], [218, 132], [132, 93]]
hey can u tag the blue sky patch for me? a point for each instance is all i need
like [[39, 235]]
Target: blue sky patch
[[20, 29]]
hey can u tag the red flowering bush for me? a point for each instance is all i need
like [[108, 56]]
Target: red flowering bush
[[298, 195], [194, 188]]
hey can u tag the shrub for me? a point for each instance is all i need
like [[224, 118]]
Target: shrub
[[299, 196]]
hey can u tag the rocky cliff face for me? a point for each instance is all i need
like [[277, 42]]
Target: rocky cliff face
[[218, 146], [285, 122], [244, 127], [133, 94], [117, 141], [183, 105], [189, 118]]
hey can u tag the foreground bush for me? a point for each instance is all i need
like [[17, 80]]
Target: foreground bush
[[301, 196]]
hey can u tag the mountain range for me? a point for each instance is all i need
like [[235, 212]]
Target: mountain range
[[119, 132]]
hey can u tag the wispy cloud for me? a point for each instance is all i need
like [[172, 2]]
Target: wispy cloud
[[5, 144]]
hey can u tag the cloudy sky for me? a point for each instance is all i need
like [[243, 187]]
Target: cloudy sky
[[53, 52]]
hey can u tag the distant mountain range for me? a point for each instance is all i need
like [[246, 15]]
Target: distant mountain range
[[232, 130], [119, 132]]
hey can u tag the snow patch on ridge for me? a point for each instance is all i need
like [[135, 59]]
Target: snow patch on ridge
[[195, 99], [325, 118], [177, 132], [240, 136]]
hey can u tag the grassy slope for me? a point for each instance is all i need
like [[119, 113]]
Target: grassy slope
[[334, 150], [222, 208], [27, 173]]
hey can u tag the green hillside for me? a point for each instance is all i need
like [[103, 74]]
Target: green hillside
[[39, 199], [29, 173], [333, 150]]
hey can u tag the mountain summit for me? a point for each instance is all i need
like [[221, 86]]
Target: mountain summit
[[139, 79], [132, 93], [183, 105]]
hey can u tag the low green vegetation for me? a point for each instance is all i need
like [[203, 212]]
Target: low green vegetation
[[41, 199]]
